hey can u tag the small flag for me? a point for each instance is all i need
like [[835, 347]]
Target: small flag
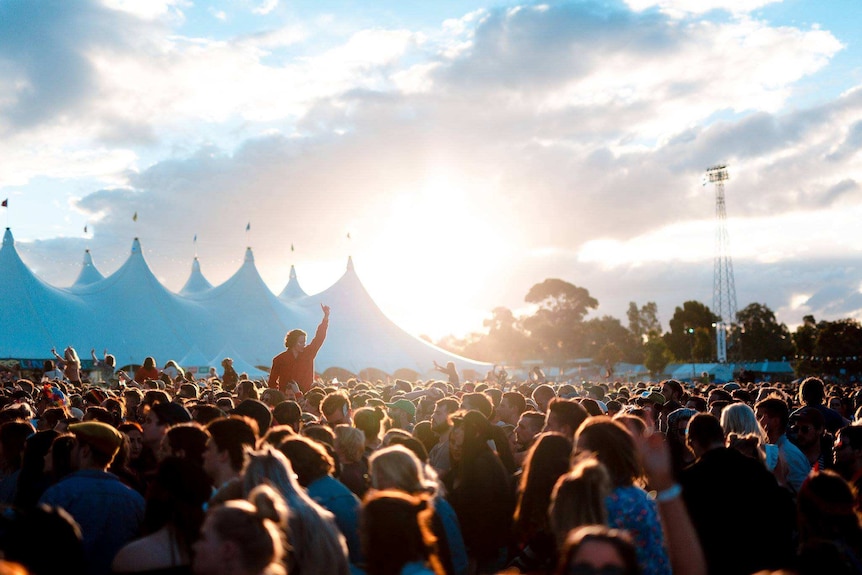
[[291, 247], [348, 235], [5, 203], [85, 228], [248, 226], [196, 239], [135, 217]]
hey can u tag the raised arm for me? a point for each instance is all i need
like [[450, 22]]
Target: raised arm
[[61, 361], [686, 554], [320, 335]]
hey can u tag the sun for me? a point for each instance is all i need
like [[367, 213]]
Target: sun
[[438, 246]]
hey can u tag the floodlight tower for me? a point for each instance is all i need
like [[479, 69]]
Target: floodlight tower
[[723, 285]]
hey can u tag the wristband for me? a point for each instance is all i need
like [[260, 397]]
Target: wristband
[[669, 494]]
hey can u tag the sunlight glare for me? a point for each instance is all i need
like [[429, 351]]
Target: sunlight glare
[[437, 251]]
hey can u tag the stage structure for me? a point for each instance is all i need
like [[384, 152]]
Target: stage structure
[[723, 285]]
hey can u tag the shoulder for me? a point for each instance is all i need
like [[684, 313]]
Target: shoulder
[[145, 554]]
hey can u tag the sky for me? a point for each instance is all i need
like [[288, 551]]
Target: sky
[[459, 151]]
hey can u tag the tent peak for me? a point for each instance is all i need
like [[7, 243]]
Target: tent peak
[[136, 246], [8, 240], [249, 255], [292, 272], [350, 263]]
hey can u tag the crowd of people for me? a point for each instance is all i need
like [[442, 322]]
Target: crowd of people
[[164, 473]]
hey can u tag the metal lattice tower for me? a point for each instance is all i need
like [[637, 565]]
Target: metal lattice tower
[[723, 285]]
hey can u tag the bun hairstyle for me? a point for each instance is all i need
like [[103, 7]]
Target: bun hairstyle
[[257, 528]]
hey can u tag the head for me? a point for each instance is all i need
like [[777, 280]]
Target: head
[[671, 389], [547, 460], [256, 410], [612, 444], [773, 415], [95, 446], [704, 433], [295, 340], [826, 508], [812, 391], [335, 408], [396, 530], [288, 413], [349, 443], [187, 441], [369, 420], [578, 498], [529, 425], [443, 409], [479, 402], [597, 549], [564, 416], [542, 395], [158, 418], [807, 427], [403, 413], [242, 536], [847, 451], [512, 405], [740, 418], [228, 441], [149, 363], [309, 459], [396, 467], [135, 436]]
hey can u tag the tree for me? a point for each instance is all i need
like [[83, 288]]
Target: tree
[[608, 356], [643, 321], [656, 355], [566, 302], [506, 339], [760, 336], [596, 333], [693, 315], [838, 346], [561, 310]]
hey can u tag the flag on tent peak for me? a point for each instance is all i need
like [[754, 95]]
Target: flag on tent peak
[[248, 226], [135, 217], [291, 247], [5, 203], [85, 228]]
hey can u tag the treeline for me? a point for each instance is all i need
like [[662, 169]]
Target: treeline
[[558, 332]]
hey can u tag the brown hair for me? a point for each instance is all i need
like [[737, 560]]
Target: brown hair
[[614, 446]]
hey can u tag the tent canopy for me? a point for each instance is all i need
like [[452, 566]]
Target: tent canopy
[[134, 316]]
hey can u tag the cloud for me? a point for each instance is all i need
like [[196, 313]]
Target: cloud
[[54, 78], [469, 153], [681, 8]]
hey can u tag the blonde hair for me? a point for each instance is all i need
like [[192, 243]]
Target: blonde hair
[[350, 442], [739, 418], [256, 527], [579, 498], [396, 467]]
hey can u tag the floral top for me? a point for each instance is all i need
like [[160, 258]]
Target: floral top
[[630, 508]]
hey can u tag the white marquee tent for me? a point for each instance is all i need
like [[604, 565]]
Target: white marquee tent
[[132, 315]]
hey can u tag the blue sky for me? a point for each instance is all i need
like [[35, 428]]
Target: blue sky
[[471, 149]]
